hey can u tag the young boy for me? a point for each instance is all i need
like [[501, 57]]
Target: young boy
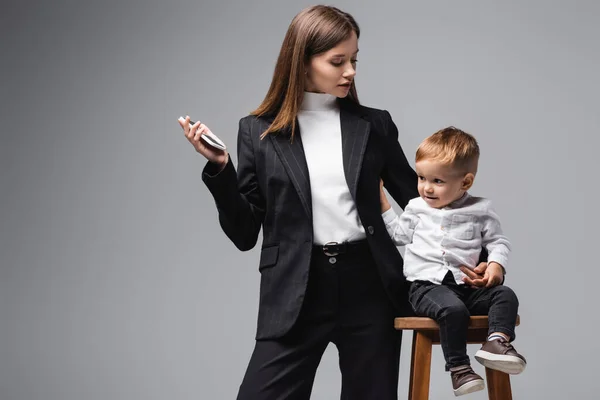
[[443, 229]]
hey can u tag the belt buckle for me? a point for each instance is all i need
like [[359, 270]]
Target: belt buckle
[[331, 252]]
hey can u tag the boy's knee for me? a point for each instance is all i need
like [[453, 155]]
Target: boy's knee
[[456, 311], [507, 294]]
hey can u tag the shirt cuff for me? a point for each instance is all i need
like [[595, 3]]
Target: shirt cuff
[[389, 216], [500, 260]]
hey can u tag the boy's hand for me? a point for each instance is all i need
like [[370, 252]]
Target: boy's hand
[[475, 277], [494, 274], [484, 275], [385, 205]]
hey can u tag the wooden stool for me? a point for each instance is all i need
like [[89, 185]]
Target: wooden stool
[[427, 333]]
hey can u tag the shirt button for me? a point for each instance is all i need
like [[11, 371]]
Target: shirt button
[[371, 229], [332, 260]]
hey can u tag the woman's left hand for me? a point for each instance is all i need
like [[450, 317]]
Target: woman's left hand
[[385, 204]]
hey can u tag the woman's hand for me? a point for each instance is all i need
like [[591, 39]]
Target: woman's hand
[[193, 133], [385, 204]]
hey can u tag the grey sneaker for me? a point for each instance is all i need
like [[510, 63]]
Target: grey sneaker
[[466, 381], [500, 355]]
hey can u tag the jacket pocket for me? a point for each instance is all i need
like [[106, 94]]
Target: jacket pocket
[[463, 226], [268, 257]]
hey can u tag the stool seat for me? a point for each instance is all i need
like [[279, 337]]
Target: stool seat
[[425, 334], [424, 323]]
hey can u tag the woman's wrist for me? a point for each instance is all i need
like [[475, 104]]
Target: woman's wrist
[[221, 165]]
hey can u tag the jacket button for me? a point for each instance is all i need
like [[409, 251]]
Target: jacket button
[[371, 229]]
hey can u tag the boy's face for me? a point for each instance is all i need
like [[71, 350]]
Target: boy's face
[[441, 184]]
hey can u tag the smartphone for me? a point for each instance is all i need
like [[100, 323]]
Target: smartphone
[[209, 138]]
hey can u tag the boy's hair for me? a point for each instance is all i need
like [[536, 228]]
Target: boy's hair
[[453, 147]]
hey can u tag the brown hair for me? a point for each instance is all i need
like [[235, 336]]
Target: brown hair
[[313, 31], [451, 146]]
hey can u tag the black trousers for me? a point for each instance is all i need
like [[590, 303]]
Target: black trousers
[[451, 305], [345, 304]]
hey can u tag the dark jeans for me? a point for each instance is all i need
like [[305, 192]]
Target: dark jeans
[[451, 306], [345, 304]]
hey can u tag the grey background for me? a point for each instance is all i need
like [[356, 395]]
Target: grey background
[[116, 281]]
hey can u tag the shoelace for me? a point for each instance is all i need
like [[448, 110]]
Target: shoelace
[[462, 372], [507, 346]]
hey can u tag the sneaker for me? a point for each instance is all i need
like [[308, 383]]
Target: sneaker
[[466, 381], [500, 355]]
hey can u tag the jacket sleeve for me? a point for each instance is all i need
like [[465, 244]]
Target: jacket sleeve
[[239, 200], [399, 178]]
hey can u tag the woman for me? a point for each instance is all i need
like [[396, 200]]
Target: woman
[[310, 162]]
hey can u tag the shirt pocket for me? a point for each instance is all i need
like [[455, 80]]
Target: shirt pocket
[[463, 227]]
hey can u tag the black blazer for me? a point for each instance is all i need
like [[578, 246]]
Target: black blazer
[[272, 190]]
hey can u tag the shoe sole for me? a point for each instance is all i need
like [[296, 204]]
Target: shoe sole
[[470, 387], [508, 364]]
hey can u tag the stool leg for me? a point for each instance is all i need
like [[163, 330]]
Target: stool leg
[[498, 384], [420, 367]]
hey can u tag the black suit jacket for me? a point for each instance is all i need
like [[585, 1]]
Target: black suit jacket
[[272, 190]]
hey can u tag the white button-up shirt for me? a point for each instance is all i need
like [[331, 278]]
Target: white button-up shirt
[[441, 240]]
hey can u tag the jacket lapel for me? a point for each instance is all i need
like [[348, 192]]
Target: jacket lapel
[[355, 135], [292, 156]]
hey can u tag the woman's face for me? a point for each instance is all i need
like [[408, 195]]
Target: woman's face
[[333, 71]]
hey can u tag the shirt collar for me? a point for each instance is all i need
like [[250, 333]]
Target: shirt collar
[[459, 202], [318, 102]]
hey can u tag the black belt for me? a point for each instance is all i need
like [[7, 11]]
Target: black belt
[[332, 249]]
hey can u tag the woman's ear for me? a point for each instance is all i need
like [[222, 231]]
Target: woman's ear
[[468, 181]]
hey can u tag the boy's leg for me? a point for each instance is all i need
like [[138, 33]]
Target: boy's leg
[[444, 305], [501, 305]]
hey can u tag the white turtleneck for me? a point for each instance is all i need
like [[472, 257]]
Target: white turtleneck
[[335, 218]]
